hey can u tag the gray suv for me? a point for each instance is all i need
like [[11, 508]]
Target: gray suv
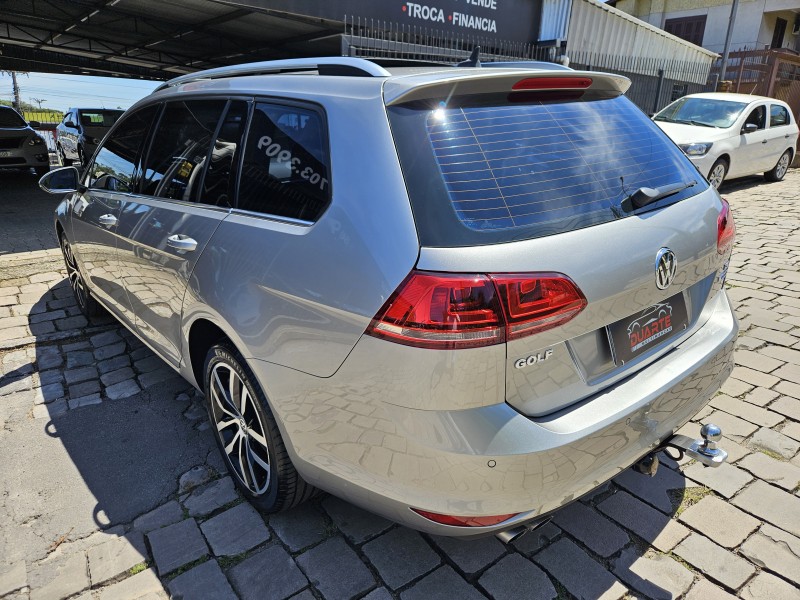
[[458, 297]]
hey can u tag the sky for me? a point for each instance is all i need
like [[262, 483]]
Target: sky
[[61, 92]]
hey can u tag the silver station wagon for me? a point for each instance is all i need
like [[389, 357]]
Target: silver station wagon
[[458, 297]]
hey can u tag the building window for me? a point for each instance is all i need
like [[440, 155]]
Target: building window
[[679, 90], [780, 32], [690, 29]]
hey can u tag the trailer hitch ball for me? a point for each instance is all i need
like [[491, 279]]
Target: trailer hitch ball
[[711, 434]]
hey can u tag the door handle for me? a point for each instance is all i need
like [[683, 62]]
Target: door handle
[[108, 220], [764, 141], [181, 243], [786, 136]]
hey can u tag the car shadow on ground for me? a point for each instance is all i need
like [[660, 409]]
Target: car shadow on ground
[[114, 429]]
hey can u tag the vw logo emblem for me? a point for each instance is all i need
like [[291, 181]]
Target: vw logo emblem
[[666, 266]]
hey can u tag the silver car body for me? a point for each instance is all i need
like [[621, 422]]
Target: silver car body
[[20, 146], [388, 426]]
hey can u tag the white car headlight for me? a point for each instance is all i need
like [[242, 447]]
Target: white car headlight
[[696, 149]]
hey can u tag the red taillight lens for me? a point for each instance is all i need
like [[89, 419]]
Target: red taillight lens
[[553, 83], [464, 521], [537, 303], [447, 311], [726, 228]]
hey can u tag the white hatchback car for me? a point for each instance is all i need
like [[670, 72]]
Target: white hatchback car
[[732, 135]]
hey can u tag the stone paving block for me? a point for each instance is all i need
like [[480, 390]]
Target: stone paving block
[[761, 396], [576, 571], [113, 377], [657, 576], [325, 565], [400, 556], [78, 322], [725, 524], [471, 556], [766, 585], [59, 577], [733, 427], [714, 561], [109, 351], [787, 406], [48, 357], [150, 363], [705, 590], [442, 583], [535, 540], [771, 504], [89, 400], [299, 527], [783, 354], [151, 378], [653, 490], [137, 587], [766, 468], [13, 577], [746, 411], [115, 556], [205, 500], [757, 361], [776, 442], [776, 550], [113, 364], [789, 372], [85, 388], [734, 387], [236, 530], [725, 479], [105, 338], [203, 581], [47, 316], [164, 515], [285, 577], [379, 594], [516, 577], [176, 545], [82, 374], [656, 528], [356, 524], [788, 388], [595, 531], [735, 450], [792, 430], [124, 389], [72, 346], [52, 391]]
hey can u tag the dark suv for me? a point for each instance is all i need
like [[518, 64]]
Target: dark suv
[[81, 131]]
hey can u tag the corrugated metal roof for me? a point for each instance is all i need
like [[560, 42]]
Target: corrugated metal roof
[[601, 36]]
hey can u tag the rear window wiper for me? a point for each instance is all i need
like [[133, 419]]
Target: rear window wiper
[[647, 195]]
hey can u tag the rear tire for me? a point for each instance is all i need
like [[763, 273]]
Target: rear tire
[[778, 172], [248, 436], [717, 173]]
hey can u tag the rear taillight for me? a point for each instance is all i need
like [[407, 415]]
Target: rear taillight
[[464, 521], [726, 228], [447, 311], [552, 83]]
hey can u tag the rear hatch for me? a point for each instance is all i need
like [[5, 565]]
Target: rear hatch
[[549, 180]]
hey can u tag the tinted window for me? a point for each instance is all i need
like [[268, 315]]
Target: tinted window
[[220, 178], [115, 162], [99, 118], [285, 170], [179, 148], [483, 174], [10, 118], [778, 115]]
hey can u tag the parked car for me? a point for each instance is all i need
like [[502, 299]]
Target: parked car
[[411, 287], [20, 146], [732, 135], [81, 130]]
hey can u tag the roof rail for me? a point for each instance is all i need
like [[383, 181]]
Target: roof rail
[[327, 65]]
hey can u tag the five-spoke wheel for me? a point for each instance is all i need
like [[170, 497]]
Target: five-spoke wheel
[[86, 303]]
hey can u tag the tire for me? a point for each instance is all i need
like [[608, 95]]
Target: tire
[[256, 456], [87, 305], [717, 173], [41, 171], [778, 172], [65, 162]]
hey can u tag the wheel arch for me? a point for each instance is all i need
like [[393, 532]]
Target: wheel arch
[[203, 334]]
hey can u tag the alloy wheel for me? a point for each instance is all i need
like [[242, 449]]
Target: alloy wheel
[[782, 166], [74, 275], [717, 175], [240, 428]]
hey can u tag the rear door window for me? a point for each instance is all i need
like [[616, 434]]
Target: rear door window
[[180, 147], [492, 173], [285, 170], [778, 116]]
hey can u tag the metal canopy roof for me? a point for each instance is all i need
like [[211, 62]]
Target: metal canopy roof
[[152, 39]]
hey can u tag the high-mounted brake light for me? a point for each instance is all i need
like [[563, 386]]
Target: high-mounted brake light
[[552, 83], [447, 311], [726, 228], [463, 521]]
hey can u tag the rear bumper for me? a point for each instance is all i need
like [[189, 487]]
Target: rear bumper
[[346, 436]]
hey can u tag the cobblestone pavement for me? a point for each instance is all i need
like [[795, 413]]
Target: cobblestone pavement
[[112, 487]]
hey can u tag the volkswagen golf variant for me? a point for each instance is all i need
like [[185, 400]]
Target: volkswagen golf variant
[[458, 297]]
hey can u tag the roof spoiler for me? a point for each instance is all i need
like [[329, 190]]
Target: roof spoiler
[[439, 85]]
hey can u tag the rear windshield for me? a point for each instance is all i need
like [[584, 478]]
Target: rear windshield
[[99, 118], [492, 173], [10, 118]]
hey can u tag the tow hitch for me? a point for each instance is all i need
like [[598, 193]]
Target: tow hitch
[[704, 451]]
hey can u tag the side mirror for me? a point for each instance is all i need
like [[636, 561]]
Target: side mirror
[[69, 124], [749, 128], [60, 181], [34, 124]]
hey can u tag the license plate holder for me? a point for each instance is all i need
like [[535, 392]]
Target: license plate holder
[[640, 332]]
